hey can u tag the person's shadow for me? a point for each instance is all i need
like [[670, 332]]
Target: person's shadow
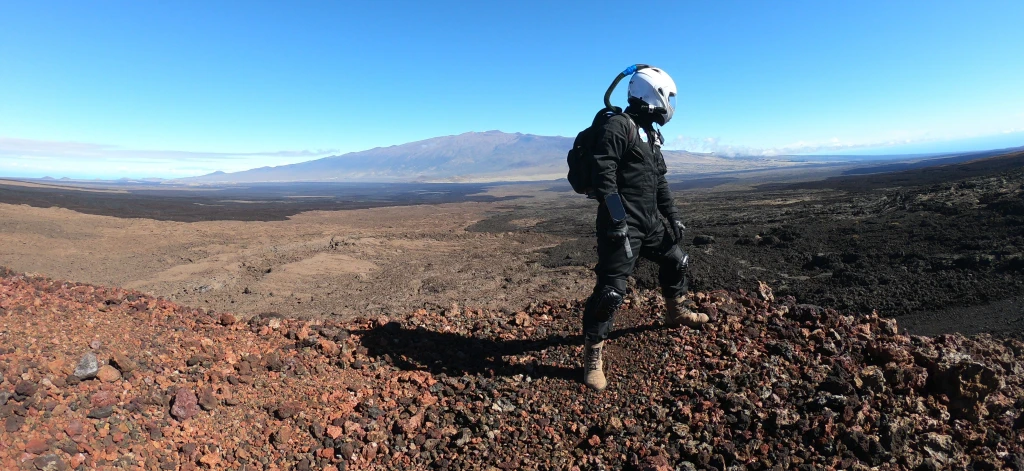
[[421, 349]]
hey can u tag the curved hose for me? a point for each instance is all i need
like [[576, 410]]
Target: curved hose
[[625, 73]]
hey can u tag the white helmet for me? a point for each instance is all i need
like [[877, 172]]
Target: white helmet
[[655, 89]]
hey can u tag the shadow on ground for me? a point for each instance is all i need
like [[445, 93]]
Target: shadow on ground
[[454, 354]]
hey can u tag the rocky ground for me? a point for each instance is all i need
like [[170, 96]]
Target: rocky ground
[[298, 359], [941, 248], [106, 378]]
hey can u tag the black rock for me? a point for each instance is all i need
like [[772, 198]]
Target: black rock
[[50, 462], [345, 451], [703, 239], [24, 389], [101, 412], [14, 423]]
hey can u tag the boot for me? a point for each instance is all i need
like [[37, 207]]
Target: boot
[[681, 311], [593, 366]]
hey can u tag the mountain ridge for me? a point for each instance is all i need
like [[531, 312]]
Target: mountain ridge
[[470, 156]]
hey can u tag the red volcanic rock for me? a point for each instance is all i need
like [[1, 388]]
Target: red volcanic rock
[[108, 374], [771, 384], [122, 362], [37, 446], [287, 410], [228, 319], [103, 399], [186, 405]]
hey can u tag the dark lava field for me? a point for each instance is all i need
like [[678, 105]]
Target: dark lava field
[[940, 248]]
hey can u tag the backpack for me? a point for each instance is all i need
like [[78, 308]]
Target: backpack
[[582, 165]]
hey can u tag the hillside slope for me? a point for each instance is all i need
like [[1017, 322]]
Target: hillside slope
[[471, 156], [772, 384]]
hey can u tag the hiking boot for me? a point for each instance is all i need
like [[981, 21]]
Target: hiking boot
[[682, 311], [593, 366]]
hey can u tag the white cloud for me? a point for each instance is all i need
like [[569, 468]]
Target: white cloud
[[88, 160], [30, 147], [715, 146]]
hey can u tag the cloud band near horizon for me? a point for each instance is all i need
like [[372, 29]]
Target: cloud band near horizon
[[36, 158]]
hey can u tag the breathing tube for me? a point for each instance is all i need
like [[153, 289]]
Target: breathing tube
[[626, 73]]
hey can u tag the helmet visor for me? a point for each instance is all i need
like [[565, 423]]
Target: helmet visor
[[672, 101]]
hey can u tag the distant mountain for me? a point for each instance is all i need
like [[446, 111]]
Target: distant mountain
[[472, 156]]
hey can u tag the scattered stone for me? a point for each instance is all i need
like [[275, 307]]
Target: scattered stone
[[207, 400], [101, 412], [328, 347], [108, 374], [122, 362], [274, 361], [186, 405], [74, 428], [36, 446], [703, 239], [24, 389], [57, 367], [281, 436], [211, 460], [287, 410], [95, 344], [14, 423], [50, 462], [87, 367], [104, 399], [228, 318]]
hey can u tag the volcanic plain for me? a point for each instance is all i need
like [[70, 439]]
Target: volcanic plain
[[861, 322]]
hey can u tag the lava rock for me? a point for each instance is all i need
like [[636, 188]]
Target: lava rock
[[122, 362], [108, 374], [88, 366], [101, 412], [50, 462], [186, 404], [207, 400], [703, 239], [24, 389]]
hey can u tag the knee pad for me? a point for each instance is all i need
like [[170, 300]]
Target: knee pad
[[680, 258], [606, 302]]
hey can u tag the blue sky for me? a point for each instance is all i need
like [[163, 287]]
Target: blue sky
[[168, 89]]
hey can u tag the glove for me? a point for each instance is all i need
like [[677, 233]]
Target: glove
[[677, 228], [619, 231]]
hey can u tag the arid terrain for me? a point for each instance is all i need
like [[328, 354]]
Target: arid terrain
[[204, 330], [941, 248], [384, 260]]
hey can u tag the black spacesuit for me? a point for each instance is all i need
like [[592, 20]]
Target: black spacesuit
[[634, 170]]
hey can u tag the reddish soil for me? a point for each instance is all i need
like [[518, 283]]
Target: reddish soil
[[771, 384]]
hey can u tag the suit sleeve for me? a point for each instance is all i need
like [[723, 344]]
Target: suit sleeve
[[611, 145], [666, 205]]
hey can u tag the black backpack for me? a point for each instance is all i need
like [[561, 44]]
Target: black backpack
[[581, 156]]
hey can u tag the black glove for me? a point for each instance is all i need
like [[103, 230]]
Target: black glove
[[677, 228], [619, 231]]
